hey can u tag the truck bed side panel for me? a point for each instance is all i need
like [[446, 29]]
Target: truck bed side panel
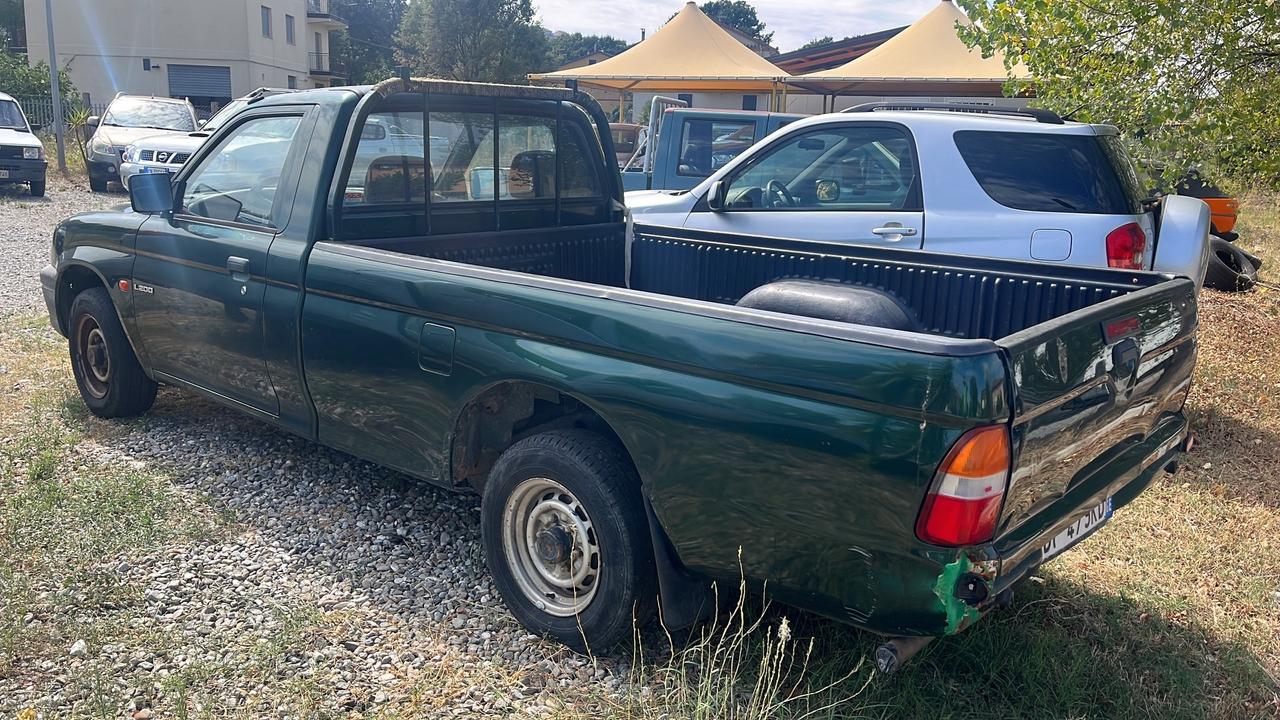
[[811, 453]]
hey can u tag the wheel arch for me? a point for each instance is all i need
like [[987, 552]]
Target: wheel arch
[[73, 279], [502, 412]]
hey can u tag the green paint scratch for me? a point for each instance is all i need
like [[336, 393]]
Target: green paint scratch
[[959, 614]]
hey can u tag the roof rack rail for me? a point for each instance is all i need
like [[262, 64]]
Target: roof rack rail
[[1041, 116]]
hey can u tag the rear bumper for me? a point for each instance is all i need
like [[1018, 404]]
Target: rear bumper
[[49, 285], [928, 595], [23, 170], [1021, 551]]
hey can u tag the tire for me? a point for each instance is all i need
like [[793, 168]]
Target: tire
[[107, 372], [584, 494], [1230, 269], [37, 188], [98, 185]]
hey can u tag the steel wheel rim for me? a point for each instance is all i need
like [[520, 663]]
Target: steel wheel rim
[[91, 352], [551, 547]]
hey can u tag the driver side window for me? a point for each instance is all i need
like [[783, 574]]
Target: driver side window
[[844, 168], [237, 181]]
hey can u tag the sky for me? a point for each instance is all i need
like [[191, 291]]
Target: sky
[[793, 22]]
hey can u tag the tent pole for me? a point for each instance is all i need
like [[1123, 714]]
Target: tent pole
[[784, 98]]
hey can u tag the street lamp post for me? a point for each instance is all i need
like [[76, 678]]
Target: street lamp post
[[59, 123]]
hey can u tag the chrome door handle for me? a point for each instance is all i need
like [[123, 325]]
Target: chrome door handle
[[239, 268], [903, 231]]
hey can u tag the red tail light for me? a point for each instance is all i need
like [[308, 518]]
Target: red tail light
[[964, 503], [1126, 246]]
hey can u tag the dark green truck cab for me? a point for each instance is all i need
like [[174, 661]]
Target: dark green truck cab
[[441, 278]]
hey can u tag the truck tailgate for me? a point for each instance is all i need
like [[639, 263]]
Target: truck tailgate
[[1091, 384]]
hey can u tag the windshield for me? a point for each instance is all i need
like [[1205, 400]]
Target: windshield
[[143, 113], [224, 114], [11, 116]]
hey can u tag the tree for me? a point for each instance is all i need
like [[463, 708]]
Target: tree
[[22, 80], [817, 41], [1189, 84], [366, 45], [739, 15], [485, 40], [13, 30], [566, 47]]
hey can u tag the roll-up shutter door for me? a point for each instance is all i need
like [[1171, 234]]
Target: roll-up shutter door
[[203, 81]]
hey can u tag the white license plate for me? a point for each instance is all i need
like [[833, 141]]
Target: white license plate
[[1084, 525], [150, 171], [4, 174]]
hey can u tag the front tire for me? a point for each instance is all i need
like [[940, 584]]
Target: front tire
[[37, 188], [98, 185], [110, 379], [567, 540]]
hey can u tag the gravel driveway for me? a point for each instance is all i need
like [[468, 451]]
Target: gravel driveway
[[28, 224], [328, 587]]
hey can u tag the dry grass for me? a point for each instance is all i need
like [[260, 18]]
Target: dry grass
[[1172, 611]]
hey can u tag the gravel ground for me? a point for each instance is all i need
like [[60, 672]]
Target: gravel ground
[[337, 587], [331, 587], [28, 224]]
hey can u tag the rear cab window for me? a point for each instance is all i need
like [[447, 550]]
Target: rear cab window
[[452, 165], [1053, 172]]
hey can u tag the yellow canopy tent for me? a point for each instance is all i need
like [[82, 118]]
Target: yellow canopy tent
[[691, 53], [928, 58]]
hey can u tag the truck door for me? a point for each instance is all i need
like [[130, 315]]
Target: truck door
[[855, 183], [200, 271]]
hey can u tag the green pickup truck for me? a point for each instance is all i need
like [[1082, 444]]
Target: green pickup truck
[[442, 278]]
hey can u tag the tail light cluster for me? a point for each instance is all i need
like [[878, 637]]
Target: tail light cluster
[[1126, 246], [963, 504]]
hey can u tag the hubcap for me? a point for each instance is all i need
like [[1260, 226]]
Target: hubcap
[[551, 547], [95, 364]]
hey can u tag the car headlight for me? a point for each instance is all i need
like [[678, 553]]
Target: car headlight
[[33, 153], [99, 146], [128, 155]]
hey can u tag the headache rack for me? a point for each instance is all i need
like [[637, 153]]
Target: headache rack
[[1041, 116]]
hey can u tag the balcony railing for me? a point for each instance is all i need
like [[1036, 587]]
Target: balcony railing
[[319, 10], [321, 65]]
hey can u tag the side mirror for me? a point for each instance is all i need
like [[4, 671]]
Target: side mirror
[[715, 196], [826, 190], [36, 127], [93, 121], [151, 193], [201, 123]]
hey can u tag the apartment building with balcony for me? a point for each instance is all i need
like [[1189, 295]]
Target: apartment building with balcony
[[209, 51]]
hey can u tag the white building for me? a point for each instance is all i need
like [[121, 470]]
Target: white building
[[207, 50]]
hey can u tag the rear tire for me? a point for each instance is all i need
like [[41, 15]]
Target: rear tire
[[110, 379], [37, 188], [567, 540]]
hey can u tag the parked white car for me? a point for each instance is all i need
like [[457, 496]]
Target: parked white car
[[167, 152], [965, 180], [21, 152], [130, 118]]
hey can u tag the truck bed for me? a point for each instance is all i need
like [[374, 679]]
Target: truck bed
[[952, 296]]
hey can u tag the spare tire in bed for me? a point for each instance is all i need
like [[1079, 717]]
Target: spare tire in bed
[[832, 301]]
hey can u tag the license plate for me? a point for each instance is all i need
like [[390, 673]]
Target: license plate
[[1084, 525], [4, 174], [150, 170]]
